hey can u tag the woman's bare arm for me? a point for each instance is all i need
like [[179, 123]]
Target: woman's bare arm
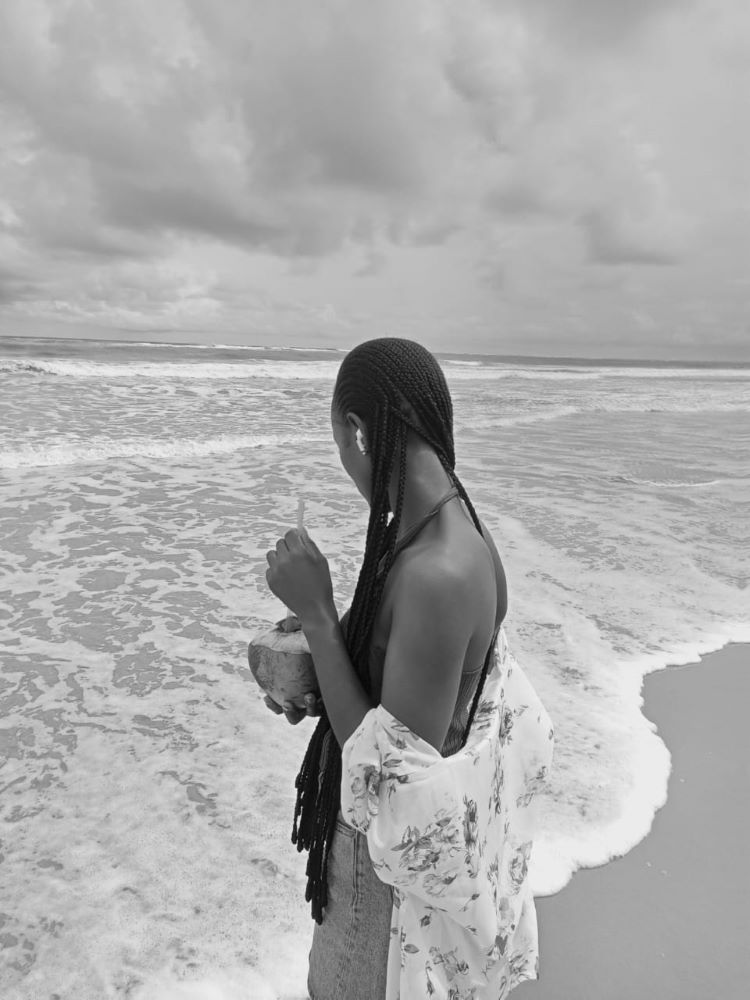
[[431, 628], [346, 701]]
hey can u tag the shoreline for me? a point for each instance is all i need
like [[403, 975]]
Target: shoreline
[[664, 922]]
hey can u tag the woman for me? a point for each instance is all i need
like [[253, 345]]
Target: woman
[[417, 643]]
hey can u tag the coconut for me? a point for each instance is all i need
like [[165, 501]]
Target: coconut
[[281, 663]]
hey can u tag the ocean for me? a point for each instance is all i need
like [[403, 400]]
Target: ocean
[[146, 792]]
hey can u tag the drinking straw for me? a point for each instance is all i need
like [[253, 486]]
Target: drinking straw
[[300, 526]]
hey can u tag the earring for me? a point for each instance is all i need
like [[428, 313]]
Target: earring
[[360, 441]]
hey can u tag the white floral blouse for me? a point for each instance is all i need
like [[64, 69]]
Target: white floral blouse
[[453, 836]]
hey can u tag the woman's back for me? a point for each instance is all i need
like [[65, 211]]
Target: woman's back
[[484, 595]]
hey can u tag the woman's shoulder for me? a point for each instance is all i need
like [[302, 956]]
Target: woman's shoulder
[[461, 570], [458, 571], [461, 567]]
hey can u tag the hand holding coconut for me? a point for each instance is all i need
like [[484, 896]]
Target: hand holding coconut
[[294, 714]]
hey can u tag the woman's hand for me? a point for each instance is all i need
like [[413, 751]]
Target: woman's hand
[[298, 575], [295, 713]]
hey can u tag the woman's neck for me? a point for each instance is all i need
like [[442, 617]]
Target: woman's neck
[[426, 482]]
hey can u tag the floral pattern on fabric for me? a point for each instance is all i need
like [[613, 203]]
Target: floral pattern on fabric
[[453, 836]]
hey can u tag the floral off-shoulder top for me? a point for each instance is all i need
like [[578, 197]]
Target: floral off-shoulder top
[[453, 836]]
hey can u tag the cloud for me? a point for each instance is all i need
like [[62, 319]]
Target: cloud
[[596, 22], [636, 218], [612, 240], [518, 198], [301, 148], [373, 264], [279, 127], [142, 206], [269, 127], [127, 293], [14, 285]]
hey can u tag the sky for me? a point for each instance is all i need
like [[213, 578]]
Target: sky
[[542, 177]]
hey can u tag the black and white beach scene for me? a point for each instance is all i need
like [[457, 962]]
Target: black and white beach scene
[[205, 210]]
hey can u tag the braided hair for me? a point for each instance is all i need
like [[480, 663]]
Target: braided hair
[[394, 386]]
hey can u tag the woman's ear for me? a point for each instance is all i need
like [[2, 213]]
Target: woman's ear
[[360, 431]]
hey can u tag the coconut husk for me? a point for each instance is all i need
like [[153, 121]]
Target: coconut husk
[[281, 663]]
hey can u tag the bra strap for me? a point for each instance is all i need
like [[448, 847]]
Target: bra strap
[[404, 541]]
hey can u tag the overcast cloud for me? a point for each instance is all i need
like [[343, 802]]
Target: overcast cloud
[[538, 176]]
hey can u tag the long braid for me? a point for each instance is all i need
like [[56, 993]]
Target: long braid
[[378, 381]]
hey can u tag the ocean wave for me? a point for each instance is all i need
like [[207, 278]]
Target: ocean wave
[[681, 483], [464, 371], [673, 373], [636, 406], [694, 405], [24, 367], [95, 450], [292, 370], [266, 347], [314, 368], [553, 413]]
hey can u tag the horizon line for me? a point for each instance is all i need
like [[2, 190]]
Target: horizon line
[[556, 358]]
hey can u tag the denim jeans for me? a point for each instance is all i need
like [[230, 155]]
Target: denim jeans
[[349, 953]]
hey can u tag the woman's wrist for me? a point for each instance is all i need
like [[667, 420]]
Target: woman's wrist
[[319, 619]]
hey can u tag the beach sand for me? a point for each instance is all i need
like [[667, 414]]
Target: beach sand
[[671, 919]]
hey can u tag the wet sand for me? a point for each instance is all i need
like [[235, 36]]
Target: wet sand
[[670, 920]]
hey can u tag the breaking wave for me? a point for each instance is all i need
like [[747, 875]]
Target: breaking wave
[[78, 452]]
